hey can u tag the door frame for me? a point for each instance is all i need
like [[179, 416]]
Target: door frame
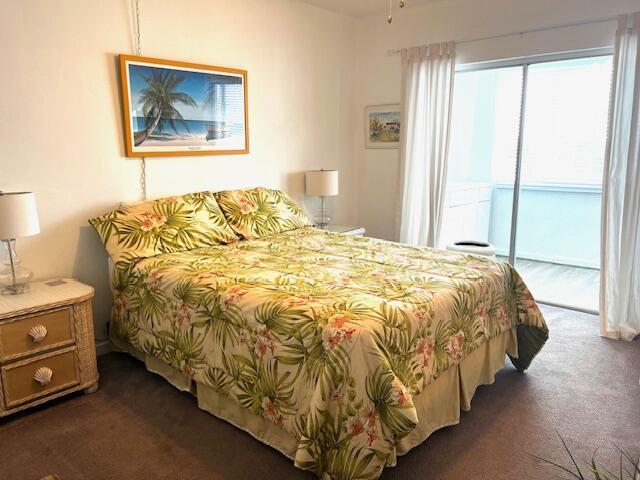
[[525, 62]]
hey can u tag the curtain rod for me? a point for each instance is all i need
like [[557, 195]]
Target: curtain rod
[[397, 51]]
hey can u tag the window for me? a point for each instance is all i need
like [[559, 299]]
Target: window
[[566, 121], [553, 236]]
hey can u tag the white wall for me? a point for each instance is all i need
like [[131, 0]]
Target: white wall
[[61, 126], [311, 73], [378, 74]]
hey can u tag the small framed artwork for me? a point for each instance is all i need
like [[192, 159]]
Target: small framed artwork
[[382, 126], [179, 108]]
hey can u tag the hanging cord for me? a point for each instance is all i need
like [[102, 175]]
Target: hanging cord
[[143, 160], [143, 178], [138, 44], [402, 4]]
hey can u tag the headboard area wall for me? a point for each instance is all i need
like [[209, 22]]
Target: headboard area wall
[[62, 128]]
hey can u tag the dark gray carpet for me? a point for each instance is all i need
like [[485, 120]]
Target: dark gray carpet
[[139, 427]]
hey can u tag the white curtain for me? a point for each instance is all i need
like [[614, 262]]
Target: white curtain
[[620, 262], [427, 93]]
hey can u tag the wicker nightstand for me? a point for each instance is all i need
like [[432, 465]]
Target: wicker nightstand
[[47, 347], [347, 230]]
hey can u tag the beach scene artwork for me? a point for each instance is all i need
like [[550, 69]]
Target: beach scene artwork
[[382, 125], [174, 108]]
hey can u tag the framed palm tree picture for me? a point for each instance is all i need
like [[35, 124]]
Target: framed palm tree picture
[[179, 108]]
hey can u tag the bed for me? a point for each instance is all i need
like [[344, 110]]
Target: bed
[[341, 352]]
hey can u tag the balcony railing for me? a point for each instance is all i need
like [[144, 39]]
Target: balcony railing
[[558, 235], [557, 223]]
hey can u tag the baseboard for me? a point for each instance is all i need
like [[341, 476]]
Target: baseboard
[[103, 347]]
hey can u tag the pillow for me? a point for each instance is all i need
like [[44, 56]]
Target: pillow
[[165, 225], [260, 211]]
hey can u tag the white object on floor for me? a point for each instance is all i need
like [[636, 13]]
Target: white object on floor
[[473, 247]]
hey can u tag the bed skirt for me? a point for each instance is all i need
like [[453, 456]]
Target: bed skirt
[[438, 405]]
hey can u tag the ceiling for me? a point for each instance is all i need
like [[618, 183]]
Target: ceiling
[[361, 8]]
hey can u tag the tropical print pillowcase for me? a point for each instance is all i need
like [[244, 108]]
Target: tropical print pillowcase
[[165, 225], [259, 212]]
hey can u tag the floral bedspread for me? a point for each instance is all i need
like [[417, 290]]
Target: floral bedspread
[[327, 336]]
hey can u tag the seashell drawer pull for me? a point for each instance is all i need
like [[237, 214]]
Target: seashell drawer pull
[[38, 333], [43, 376]]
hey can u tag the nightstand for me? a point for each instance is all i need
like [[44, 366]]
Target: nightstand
[[47, 348], [347, 230]]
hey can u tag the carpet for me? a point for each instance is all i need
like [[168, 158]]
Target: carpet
[[137, 426]]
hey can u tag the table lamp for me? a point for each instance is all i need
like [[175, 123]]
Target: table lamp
[[18, 218], [322, 183]]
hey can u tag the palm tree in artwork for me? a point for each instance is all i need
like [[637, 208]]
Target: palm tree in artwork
[[158, 100]]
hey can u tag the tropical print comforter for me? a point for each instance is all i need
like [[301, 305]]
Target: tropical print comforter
[[327, 336]]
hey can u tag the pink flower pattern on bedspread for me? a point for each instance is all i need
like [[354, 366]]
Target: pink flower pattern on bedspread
[[329, 337]]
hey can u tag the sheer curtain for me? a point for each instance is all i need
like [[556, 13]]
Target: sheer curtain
[[427, 92], [620, 270]]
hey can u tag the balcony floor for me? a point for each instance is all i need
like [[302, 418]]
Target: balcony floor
[[565, 285]]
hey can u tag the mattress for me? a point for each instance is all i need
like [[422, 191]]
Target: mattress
[[334, 341]]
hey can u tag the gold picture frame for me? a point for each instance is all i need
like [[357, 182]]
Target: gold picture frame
[[173, 108]]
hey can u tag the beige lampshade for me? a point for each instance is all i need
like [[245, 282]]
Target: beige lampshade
[[18, 215], [322, 183]]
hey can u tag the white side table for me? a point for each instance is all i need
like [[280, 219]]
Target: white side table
[[347, 230], [46, 344]]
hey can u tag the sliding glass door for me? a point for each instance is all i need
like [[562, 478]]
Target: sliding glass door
[[525, 171], [565, 131]]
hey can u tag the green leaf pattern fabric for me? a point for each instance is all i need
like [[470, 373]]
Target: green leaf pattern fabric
[[166, 225], [330, 337], [260, 212]]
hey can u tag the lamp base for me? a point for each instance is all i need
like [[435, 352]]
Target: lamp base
[[15, 289], [14, 280], [322, 218]]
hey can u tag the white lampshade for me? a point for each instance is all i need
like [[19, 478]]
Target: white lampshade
[[18, 215], [322, 183]]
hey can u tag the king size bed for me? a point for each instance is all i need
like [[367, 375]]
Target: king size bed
[[340, 352]]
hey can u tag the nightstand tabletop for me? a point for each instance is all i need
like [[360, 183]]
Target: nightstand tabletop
[[44, 294], [350, 229]]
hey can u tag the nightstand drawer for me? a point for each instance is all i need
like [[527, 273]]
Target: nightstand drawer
[[48, 330], [20, 381]]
